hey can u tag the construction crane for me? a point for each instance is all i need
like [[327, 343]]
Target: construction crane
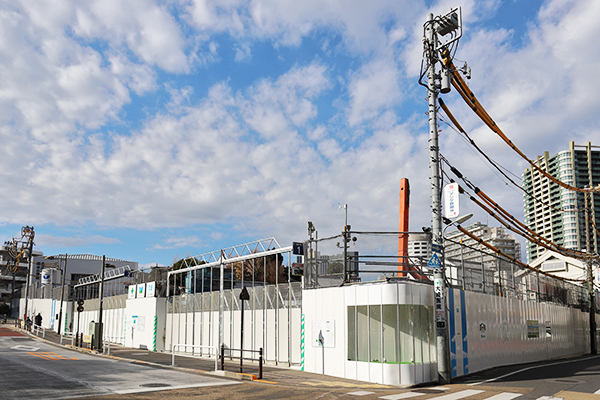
[[18, 248]]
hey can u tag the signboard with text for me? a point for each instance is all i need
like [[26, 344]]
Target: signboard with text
[[451, 203]]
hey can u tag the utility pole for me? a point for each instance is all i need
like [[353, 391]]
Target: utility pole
[[436, 211], [29, 230], [593, 349], [433, 27], [62, 294], [101, 299]]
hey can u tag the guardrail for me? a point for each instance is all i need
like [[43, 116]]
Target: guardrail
[[241, 358], [35, 329], [106, 343], [214, 348], [67, 335]]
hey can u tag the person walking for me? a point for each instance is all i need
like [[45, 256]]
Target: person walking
[[38, 320]]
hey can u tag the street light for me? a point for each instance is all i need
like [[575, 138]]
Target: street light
[[449, 223], [62, 287], [312, 270], [346, 239]]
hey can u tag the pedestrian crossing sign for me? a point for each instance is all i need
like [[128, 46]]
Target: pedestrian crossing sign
[[434, 262]]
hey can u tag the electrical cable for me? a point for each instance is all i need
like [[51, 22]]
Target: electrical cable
[[442, 120], [472, 102], [460, 129], [506, 219], [500, 252]]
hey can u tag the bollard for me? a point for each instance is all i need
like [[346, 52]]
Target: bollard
[[222, 357], [260, 363]]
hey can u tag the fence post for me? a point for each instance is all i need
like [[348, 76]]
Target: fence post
[[260, 362]]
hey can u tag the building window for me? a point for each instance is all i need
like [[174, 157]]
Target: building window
[[391, 334]]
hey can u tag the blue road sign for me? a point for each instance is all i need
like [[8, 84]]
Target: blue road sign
[[297, 248], [436, 248], [434, 262]]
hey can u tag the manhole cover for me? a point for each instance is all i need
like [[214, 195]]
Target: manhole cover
[[565, 380], [428, 391], [155, 385]]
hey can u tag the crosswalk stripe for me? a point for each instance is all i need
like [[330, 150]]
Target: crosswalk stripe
[[504, 396], [401, 396], [459, 395], [360, 393]]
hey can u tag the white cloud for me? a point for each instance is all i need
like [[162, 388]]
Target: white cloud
[[54, 85], [147, 29], [178, 242], [372, 89], [43, 240], [276, 108], [289, 22]]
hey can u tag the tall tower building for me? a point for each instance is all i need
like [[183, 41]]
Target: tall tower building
[[558, 215]]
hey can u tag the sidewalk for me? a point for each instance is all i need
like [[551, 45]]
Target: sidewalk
[[277, 375]]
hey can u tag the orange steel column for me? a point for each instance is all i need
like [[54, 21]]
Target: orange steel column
[[403, 237]]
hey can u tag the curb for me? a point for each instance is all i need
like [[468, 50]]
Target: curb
[[233, 375]]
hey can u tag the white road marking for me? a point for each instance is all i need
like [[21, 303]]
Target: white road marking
[[401, 396], [360, 393], [504, 396], [25, 348], [459, 395]]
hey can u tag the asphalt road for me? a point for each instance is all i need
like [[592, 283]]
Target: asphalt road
[[31, 368]]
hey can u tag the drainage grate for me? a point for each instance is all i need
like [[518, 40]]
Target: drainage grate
[[155, 385]]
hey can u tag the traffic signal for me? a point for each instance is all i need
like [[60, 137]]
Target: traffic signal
[[80, 305]]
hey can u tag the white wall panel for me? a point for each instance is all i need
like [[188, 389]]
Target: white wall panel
[[506, 339]]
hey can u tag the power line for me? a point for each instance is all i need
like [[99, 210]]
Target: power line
[[508, 220], [460, 129], [471, 100]]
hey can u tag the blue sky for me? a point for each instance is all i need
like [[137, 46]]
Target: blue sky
[[153, 130]]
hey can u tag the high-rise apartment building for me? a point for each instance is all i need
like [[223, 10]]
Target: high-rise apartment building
[[557, 213]]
